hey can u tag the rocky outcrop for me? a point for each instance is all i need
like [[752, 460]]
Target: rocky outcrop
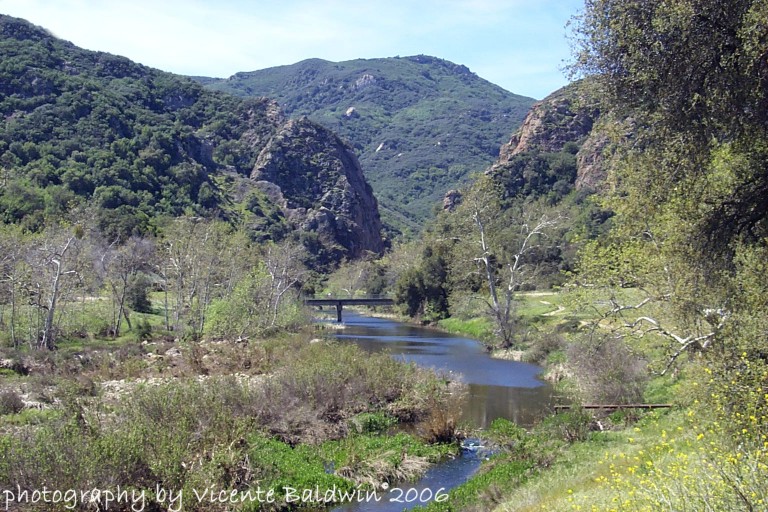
[[451, 200], [553, 122], [317, 181], [591, 164], [566, 120]]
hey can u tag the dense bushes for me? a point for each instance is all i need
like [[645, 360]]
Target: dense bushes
[[229, 432], [606, 371]]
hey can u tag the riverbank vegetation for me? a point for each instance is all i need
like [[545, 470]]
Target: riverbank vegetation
[[235, 416], [668, 295], [186, 362]]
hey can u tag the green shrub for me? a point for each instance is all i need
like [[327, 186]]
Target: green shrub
[[571, 426], [143, 330], [542, 346], [372, 422], [137, 294], [607, 371]]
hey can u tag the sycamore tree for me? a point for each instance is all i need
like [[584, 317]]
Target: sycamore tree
[[264, 295], [364, 276], [646, 278], [199, 260], [504, 245], [691, 182], [57, 264], [13, 274], [119, 266]]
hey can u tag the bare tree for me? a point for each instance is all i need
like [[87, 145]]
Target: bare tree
[[12, 275], [284, 266], [199, 262], [56, 265], [119, 265], [505, 244]]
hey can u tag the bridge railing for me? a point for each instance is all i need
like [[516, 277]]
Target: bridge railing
[[348, 296], [340, 302]]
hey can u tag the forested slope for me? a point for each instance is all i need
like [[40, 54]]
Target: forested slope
[[90, 131], [420, 124]]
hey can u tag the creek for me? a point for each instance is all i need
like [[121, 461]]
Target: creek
[[496, 389]]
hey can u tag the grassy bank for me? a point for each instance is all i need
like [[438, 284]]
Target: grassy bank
[[536, 311], [689, 457]]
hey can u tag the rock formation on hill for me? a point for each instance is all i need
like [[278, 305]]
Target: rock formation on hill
[[134, 144]]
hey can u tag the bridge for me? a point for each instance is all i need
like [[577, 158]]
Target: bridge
[[340, 302]]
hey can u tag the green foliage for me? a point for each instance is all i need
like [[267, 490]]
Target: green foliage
[[372, 423], [143, 330], [137, 294], [423, 290], [533, 173], [99, 129], [363, 277], [697, 170], [483, 489], [570, 426], [689, 233], [279, 466], [264, 299], [133, 146]]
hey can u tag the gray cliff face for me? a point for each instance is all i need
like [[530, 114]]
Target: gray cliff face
[[317, 181]]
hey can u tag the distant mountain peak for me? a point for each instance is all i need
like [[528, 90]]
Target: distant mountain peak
[[420, 125]]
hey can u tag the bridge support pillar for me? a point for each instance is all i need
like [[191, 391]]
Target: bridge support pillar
[[338, 312]]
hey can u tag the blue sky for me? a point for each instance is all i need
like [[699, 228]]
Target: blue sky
[[520, 45]]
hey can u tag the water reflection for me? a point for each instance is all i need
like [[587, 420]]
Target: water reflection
[[497, 388]]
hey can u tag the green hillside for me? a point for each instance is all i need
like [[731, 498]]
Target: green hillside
[[420, 125], [91, 132]]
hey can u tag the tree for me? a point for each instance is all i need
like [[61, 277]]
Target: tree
[[196, 261], [120, 265], [692, 187], [423, 289], [693, 74], [284, 265], [691, 224], [358, 276], [13, 248], [505, 245], [264, 297], [57, 267]]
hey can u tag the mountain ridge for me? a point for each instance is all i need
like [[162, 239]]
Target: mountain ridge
[[421, 125]]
